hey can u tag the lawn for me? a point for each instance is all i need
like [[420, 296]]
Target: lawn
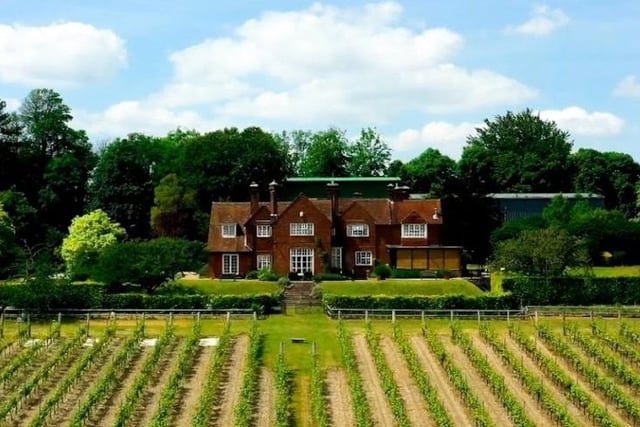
[[618, 271], [231, 287], [401, 287]]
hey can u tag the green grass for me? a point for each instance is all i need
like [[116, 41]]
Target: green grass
[[619, 271], [401, 287], [230, 287]]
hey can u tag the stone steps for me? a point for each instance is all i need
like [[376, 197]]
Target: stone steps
[[300, 294]]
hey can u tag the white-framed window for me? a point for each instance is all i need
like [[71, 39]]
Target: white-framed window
[[263, 230], [301, 229], [230, 264], [414, 230], [364, 258], [358, 230], [228, 230], [263, 261], [336, 257], [301, 259]]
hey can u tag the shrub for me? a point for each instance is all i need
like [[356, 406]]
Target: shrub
[[325, 277], [406, 273], [284, 281], [382, 271], [432, 302], [253, 274], [266, 275]]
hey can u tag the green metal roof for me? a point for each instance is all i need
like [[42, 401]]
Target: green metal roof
[[344, 179]]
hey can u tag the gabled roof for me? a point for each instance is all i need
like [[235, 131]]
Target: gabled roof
[[227, 213], [323, 205], [425, 208], [379, 209]]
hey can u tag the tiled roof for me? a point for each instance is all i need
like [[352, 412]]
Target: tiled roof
[[425, 208]]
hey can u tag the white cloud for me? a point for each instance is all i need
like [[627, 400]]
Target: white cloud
[[628, 87], [580, 122], [133, 116], [333, 65], [64, 54], [543, 22], [448, 138], [12, 104]]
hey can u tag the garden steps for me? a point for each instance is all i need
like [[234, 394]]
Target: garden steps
[[300, 293]]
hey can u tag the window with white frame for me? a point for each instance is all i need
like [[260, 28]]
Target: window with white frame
[[230, 264], [263, 261], [301, 229], [263, 230], [414, 230], [358, 230], [336, 257], [228, 230], [301, 259], [364, 258]]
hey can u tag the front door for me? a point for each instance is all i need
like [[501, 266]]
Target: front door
[[301, 260]]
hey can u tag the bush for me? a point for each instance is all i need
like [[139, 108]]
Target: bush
[[406, 273], [253, 275], [574, 290], [326, 277], [266, 275], [382, 271], [284, 281], [435, 302]]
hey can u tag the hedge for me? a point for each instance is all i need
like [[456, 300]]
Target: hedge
[[574, 290], [422, 302], [94, 296]]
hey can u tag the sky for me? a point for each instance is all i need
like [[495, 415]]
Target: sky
[[423, 73]]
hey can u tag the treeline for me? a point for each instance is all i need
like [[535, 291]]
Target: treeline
[[164, 186]]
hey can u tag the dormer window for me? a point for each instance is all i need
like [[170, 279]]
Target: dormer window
[[263, 230], [413, 231], [358, 230], [301, 229], [228, 230]]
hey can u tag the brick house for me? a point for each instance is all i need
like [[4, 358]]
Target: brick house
[[346, 235]]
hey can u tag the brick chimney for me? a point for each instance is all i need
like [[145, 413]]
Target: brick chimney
[[332, 195], [254, 197], [273, 191]]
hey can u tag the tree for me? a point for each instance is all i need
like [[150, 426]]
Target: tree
[[369, 155], [610, 174], [122, 183], [431, 172], [546, 252], [174, 209], [9, 148], [327, 154], [89, 235], [558, 212], [8, 247], [148, 263], [395, 168], [58, 158], [517, 153]]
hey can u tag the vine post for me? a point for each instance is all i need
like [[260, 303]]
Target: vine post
[[2, 324]]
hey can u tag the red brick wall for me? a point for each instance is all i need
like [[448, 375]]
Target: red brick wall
[[245, 262]]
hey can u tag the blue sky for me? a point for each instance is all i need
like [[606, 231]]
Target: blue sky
[[424, 73]]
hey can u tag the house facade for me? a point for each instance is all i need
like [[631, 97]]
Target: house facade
[[313, 235]]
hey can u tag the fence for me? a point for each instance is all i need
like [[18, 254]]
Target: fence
[[359, 313]]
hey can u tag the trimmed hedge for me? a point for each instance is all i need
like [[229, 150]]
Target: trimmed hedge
[[435, 302], [67, 296], [574, 290]]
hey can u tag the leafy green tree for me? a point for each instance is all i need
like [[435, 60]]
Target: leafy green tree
[[369, 155], [431, 172], [610, 174], [558, 212], [122, 183], [173, 214], [220, 165], [23, 215], [546, 252], [327, 154], [8, 246], [517, 152], [89, 235], [512, 229], [395, 168], [148, 263], [58, 158], [9, 148]]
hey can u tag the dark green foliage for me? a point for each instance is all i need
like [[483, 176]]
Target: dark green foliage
[[574, 290], [324, 277], [45, 295], [147, 263], [266, 275], [431, 173], [512, 229], [382, 271], [439, 302]]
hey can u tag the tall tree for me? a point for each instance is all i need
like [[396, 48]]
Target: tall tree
[[517, 152], [327, 154], [431, 172], [58, 158], [613, 175], [9, 148], [369, 155], [8, 247], [122, 183], [173, 214]]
